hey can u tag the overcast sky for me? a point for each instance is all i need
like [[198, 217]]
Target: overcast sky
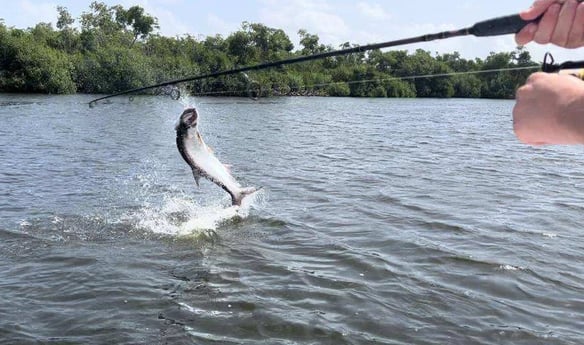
[[334, 21]]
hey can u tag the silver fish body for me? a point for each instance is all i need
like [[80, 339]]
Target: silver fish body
[[201, 159]]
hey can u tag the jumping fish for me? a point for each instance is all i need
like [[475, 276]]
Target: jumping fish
[[202, 160]]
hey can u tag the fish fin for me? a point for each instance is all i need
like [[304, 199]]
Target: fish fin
[[197, 177], [200, 138], [228, 167], [210, 149], [237, 199]]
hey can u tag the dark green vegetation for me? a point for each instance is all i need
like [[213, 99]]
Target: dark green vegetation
[[114, 49]]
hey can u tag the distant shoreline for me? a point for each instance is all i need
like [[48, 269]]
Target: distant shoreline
[[109, 51]]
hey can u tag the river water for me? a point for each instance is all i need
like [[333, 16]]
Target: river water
[[380, 221]]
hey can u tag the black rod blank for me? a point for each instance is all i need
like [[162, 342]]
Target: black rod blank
[[492, 27]]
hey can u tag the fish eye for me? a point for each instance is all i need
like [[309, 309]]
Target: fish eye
[[191, 112], [189, 115], [189, 118]]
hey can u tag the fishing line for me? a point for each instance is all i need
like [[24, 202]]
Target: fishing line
[[492, 27], [437, 75], [365, 81]]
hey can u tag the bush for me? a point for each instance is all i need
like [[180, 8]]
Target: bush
[[339, 89], [400, 89], [35, 67]]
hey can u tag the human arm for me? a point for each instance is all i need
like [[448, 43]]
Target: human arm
[[549, 109], [562, 23]]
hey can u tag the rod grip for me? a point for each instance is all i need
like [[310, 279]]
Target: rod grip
[[500, 26]]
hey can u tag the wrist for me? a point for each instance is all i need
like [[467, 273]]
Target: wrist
[[572, 118]]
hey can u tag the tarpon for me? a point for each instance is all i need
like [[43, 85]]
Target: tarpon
[[201, 159]]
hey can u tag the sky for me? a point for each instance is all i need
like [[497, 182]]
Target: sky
[[334, 21]]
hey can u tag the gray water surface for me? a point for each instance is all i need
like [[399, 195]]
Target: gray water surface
[[380, 222]]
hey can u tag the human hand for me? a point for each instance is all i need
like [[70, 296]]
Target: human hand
[[549, 109], [562, 23]]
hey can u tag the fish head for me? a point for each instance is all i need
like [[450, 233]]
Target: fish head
[[188, 119]]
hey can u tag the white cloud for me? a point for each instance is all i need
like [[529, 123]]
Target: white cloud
[[33, 13], [373, 11], [217, 25], [169, 24], [560, 55], [316, 16], [335, 22], [164, 11]]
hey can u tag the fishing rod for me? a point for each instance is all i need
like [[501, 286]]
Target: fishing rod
[[493, 27]]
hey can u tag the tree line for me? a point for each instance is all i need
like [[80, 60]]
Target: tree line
[[111, 48]]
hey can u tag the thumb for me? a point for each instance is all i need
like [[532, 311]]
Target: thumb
[[537, 9]]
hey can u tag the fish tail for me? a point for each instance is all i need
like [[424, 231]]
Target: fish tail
[[236, 199]]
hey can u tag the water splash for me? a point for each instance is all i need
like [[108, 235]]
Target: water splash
[[187, 100], [182, 216]]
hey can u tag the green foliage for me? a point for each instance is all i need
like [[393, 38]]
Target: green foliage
[[467, 86], [115, 49], [112, 70], [339, 89], [65, 20], [142, 24], [30, 65], [310, 43], [504, 84], [399, 89]]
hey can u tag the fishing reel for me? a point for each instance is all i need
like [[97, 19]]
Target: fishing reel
[[549, 66]]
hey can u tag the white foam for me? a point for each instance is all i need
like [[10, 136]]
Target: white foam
[[511, 268], [209, 218], [181, 216]]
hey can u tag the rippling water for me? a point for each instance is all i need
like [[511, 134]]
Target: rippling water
[[380, 222]]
